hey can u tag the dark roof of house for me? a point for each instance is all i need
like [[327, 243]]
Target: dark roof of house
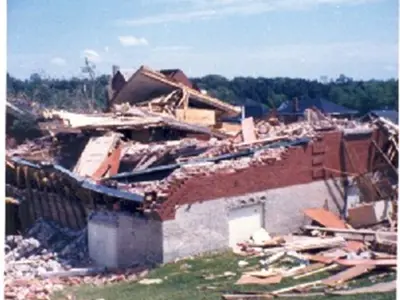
[[169, 72], [391, 115], [325, 106], [251, 109]]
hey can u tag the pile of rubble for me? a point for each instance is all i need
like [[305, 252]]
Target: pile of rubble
[[332, 246], [49, 258]]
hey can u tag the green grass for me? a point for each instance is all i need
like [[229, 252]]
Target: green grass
[[189, 283]]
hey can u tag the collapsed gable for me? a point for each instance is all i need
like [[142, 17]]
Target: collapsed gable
[[147, 84]]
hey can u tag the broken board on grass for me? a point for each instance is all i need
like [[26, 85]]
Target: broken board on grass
[[325, 218], [248, 279], [347, 275]]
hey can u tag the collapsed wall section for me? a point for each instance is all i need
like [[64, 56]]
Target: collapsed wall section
[[331, 155]]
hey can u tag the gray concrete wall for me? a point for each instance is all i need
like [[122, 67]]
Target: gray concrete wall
[[122, 240], [197, 228], [139, 240], [203, 227], [103, 238]]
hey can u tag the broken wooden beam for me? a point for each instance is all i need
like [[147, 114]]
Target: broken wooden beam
[[383, 287], [347, 275]]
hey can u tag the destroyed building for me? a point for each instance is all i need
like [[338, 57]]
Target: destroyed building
[[161, 177]]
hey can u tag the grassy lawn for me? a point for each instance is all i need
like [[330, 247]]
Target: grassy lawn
[[185, 280]]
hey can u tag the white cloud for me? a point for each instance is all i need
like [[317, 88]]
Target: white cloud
[[129, 40], [58, 61], [208, 9], [91, 55], [106, 49]]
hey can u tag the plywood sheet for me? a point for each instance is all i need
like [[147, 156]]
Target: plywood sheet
[[325, 218], [346, 275], [366, 262], [248, 130], [96, 151], [196, 116], [369, 214], [248, 279]]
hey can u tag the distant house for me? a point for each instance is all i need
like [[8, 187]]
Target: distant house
[[293, 110], [251, 108], [390, 115]]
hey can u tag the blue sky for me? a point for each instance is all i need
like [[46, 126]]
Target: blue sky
[[293, 38]]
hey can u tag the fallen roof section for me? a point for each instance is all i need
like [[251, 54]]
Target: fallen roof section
[[146, 84]]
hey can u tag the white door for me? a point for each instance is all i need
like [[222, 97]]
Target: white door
[[243, 222]]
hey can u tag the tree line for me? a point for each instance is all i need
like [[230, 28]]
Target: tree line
[[78, 93]]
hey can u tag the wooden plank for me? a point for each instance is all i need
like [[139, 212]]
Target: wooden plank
[[248, 130], [325, 217], [383, 287], [354, 246], [248, 279], [95, 153], [331, 267], [229, 127], [110, 165], [303, 270], [369, 213], [346, 275], [204, 117], [295, 287], [366, 262]]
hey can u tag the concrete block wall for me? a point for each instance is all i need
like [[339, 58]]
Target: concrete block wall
[[197, 228], [139, 240], [122, 240], [203, 226]]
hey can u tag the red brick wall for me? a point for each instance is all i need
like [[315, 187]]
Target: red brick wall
[[300, 165]]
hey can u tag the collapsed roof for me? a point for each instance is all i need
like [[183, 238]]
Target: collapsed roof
[[146, 84]]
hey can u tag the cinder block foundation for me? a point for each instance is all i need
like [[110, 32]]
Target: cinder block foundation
[[117, 239]]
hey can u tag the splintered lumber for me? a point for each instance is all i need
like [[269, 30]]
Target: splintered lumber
[[331, 267], [248, 279], [385, 157], [248, 130], [247, 296], [354, 246], [320, 258], [348, 234], [383, 287], [324, 217], [308, 243], [96, 151], [369, 213], [204, 117], [296, 287], [366, 262], [303, 269], [346, 275], [267, 296], [262, 274]]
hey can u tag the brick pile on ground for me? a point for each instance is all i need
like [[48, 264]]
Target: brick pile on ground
[[38, 264]]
